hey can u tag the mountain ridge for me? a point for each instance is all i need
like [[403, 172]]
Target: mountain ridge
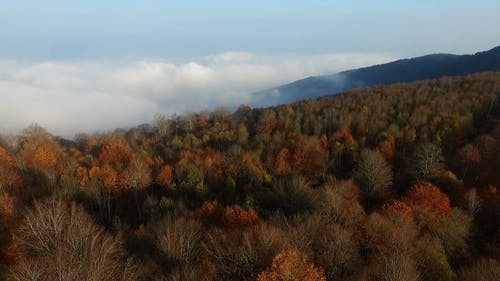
[[430, 66]]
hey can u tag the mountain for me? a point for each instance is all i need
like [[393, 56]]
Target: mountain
[[405, 70]]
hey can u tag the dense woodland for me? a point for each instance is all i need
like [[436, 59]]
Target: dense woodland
[[392, 182]]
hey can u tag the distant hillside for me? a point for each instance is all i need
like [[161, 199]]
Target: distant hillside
[[405, 70]]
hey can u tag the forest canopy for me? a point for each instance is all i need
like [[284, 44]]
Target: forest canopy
[[394, 182]]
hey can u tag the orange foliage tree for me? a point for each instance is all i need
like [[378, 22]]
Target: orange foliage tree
[[9, 178], [119, 168], [398, 207], [469, 155], [136, 176], [212, 212], [308, 157], [116, 154], [387, 149], [82, 175], [209, 212], [341, 140], [41, 152], [282, 165], [8, 206], [5, 157], [237, 216], [469, 159], [254, 169], [292, 265], [165, 176], [267, 121], [429, 201], [8, 250]]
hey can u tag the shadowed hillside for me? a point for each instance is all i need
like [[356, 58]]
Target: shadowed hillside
[[406, 70]]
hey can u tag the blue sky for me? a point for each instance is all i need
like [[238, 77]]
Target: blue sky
[[95, 29], [74, 66]]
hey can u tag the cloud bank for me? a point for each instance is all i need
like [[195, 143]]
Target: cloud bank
[[68, 97]]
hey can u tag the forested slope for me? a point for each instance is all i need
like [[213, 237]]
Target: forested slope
[[392, 182], [432, 66]]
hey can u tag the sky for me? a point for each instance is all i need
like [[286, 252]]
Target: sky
[[74, 66]]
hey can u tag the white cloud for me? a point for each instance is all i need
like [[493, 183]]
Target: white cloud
[[71, 97], [230, 57]]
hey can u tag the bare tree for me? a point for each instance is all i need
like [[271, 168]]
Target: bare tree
[[337, 251], [373, 174], [398, 267], [454, 233], [427, 162], [180, 239], [472, 202], [61, 242], [339, 203], [483, 270]]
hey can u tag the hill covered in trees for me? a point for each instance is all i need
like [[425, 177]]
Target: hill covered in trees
[[392, 182], [405, 70]]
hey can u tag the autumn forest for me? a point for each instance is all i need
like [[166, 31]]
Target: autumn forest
[[397, 182]]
